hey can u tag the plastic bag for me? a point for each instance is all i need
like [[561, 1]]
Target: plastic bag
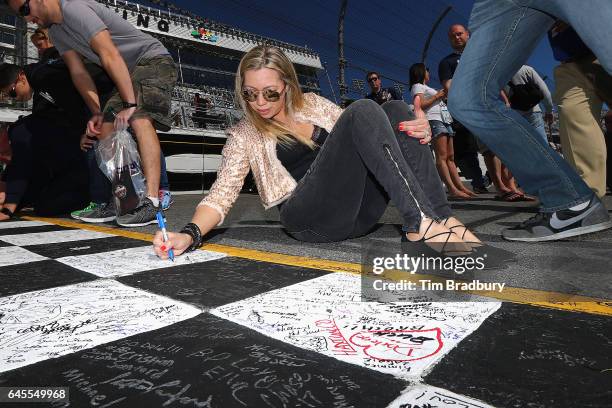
[[118, 158]]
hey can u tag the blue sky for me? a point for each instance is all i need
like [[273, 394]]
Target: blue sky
[[382, 35]]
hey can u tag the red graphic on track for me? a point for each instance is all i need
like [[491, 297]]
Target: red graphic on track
[[399, 345], [339, 344]]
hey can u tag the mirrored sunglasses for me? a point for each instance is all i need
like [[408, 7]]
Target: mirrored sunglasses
[[269, 95]]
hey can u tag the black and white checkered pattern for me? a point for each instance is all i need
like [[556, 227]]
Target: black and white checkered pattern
[[102, 315]]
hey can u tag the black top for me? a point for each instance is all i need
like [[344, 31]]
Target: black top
[[447, 67], [298, 157], [56, 98], [50, 53], [384, 95], [50, 85]]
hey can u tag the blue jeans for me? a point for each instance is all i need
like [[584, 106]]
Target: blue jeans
[[537, 121], [504, 34]]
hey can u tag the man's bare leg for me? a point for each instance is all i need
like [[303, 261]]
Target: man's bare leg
[[148, 144]]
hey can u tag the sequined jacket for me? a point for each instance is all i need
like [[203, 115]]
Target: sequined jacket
[[246, 148]]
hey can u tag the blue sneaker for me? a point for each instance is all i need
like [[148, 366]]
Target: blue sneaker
[[165, 199]]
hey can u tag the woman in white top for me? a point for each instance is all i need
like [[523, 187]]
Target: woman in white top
[[442, 132]]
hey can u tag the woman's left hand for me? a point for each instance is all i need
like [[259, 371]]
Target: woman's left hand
[[419, 127]]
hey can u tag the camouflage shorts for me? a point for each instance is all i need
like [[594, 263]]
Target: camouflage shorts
[[153, 80]]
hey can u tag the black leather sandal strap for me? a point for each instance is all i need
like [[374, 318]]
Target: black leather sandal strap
[[431, 221], [459, 226]]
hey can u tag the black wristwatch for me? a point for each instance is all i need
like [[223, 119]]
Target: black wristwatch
[[128, 105], [194, 232]]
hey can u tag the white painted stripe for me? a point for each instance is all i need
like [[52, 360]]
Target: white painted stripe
[[326, 315], [14, 255], [22, 224], [428, 396], [52, 237], [50, 323], [132, 260]]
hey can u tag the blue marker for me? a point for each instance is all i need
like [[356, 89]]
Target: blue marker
[[162, 227]]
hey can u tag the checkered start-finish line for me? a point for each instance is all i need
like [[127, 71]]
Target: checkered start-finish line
[[102, 315]]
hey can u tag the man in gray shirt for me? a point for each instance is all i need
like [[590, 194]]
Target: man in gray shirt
[[527, 75], [140, 66]]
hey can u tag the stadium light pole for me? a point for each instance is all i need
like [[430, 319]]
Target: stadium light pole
[[433, 30]]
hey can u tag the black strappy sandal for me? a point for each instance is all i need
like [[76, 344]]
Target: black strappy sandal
[[445, 248], [461, 235], [496, 257]]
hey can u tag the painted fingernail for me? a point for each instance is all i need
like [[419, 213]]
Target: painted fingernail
[[163, 248], [401, 127]]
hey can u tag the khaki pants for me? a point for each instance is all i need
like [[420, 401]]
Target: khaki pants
[[581, 89]]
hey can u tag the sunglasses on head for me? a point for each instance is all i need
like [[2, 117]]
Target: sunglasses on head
[[372, 79], [269, 95], [24, 10]]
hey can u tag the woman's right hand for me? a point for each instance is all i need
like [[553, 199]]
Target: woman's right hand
[[177, 241]]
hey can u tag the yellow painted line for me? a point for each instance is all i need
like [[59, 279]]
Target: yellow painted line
[[251, 254], [533, 297], [539, 298]]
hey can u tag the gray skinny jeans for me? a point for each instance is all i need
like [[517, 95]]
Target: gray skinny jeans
[[365, 161]]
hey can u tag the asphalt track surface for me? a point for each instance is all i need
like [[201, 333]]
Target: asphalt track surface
[[258, 319]]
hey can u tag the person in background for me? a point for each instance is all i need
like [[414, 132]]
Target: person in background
[[141, 68], [525, 92], [442, 132], [5, 159], [46, 168], [608, 135], [504, 35], [379, 94], [464, 143], [46, 50], [582, 86], [331, 172]]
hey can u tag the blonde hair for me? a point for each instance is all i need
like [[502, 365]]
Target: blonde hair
[[264, 56]]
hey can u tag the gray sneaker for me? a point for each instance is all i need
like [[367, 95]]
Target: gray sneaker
[[561, 224], [144, 214], [100, 213]]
